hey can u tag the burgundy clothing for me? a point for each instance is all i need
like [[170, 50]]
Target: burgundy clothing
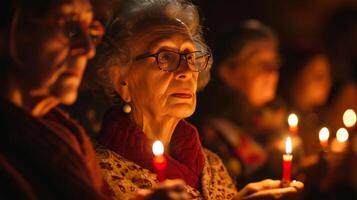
[[185, 160], [48, 158]]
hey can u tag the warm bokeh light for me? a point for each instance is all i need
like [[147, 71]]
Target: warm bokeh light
[[158, 148], [288, 145], [349, 118], [342, 135], [293, 120], [324, 134]]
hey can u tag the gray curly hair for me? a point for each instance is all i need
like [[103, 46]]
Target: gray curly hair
[[126, 18]]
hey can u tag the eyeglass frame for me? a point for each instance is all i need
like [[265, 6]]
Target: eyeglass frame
[[156, 56], [56, 23]]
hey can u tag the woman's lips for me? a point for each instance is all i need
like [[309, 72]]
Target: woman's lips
[[182, 95]]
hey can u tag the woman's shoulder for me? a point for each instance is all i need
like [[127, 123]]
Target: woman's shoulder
[[113, 162], [123, 176], [216, 181]]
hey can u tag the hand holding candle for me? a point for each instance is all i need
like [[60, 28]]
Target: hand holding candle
[[159, 160], [287, 161]]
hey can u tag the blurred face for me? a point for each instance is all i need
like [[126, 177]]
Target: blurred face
[[314, 81], [254, 71], [55, 49], [156, 92]]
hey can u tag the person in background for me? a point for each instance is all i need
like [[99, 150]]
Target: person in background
[[44, 154], [340, 35], [236, 114], [152, 63], [305, 86]]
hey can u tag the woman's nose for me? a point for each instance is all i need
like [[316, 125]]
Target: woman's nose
[[184, 71]]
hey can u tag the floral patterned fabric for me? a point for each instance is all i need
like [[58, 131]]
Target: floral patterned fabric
[[125, 178]]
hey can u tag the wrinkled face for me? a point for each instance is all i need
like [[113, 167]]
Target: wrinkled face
[[156, 92], [254, 71], [56, 49], [314, 81]]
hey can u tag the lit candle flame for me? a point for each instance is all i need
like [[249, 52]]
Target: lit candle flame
[[158, 148], [293, 120], [288, 145], [324, 134], [342, 135], [349, 118]]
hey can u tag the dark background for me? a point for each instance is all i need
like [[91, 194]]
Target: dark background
[[296, 21]]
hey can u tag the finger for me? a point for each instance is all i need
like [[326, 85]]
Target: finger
[[258, 186], [277, 193], [171, 183], [144, 192], [297, 184], [178, 195]]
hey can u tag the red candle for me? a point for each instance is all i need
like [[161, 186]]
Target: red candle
[[287, 160], [159, 160]]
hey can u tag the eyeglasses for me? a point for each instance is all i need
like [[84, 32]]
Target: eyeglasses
[[73, 29], [170, 60]]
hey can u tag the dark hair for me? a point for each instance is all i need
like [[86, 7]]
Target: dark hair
[[339, 35], [7, 11], [236, 39], [11, 17], [295, 62]]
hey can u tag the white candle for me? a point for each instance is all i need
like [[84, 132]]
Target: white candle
[[293, 121], [349, 118], [339, 144], [324, 135]]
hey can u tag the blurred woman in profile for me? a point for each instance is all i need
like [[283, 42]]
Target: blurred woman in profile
[[44, 154]]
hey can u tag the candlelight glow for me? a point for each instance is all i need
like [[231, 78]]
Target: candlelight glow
[[293, 120], [158, 148], [342, 135], [288, 145], [349, 118], [324, 134]]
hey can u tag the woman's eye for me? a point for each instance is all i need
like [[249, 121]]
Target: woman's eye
[[96, 32], [72, 30], [166, 56]]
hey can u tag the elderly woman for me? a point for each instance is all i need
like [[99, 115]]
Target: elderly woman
[[44, 154], [153, 62]]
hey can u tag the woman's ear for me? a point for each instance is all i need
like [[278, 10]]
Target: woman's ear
[[117, 78]]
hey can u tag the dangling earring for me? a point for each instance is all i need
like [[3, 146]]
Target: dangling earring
[[127, 108]]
